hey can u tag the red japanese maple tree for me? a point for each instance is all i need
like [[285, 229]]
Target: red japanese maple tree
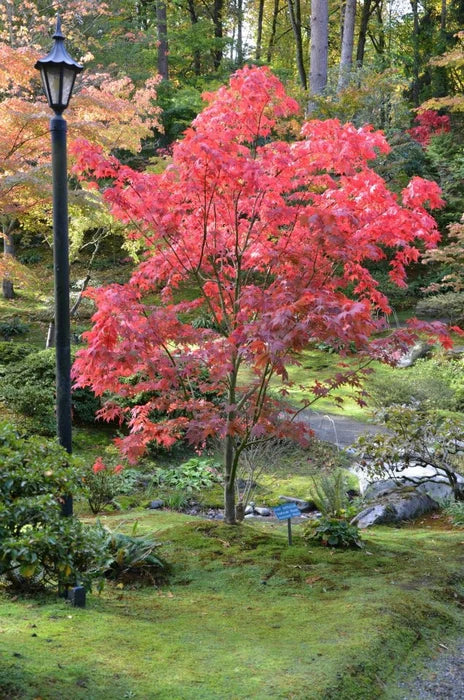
[[262, 237]]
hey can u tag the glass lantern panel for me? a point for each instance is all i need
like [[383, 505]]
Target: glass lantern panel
[[53, 75], [68, 81]]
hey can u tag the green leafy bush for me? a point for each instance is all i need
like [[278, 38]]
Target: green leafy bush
[[332, 532], [195, 474], [448, 307], [11, 327], [100, 487], [28, 388], [14, 352], [37, 544], [30, 258]]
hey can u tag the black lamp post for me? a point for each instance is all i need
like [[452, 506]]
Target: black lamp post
[[58, 71]]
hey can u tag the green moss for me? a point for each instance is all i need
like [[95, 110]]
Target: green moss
[[244, 616]]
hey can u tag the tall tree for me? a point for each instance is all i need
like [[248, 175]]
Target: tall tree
[[217, 15], [259, 30], [346, 59], [162, 30], [272, 238], [294, 11], [319, 48], [192, 10], [272, 35], [366, 13]]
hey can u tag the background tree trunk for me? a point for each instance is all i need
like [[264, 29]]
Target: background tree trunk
[[346, 59], [270, 46], [162, 27], [319, 49], [362, 36], [416, 58], [259, 30], [239, 33], [194, 20], [218, 8], [294, 11]]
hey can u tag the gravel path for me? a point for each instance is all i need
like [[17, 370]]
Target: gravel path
[[337, 429], [442, 680]]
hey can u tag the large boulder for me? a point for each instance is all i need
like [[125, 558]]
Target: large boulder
[[395, 507], [438, 487], [419, 350]]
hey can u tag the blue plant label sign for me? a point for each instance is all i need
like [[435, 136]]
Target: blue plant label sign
[[286, 511]]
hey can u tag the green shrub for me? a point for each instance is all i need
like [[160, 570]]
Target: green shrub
[[100, 488], [433, 383], [37, 544], [332, 532], [448, 307], [14, 352], [28, 388], [11, 327], [30, 258]]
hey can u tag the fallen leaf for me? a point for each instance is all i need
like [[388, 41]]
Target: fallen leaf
[[312, 579]]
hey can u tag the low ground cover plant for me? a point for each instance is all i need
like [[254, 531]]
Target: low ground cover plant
[[10, 353], [12, 327]]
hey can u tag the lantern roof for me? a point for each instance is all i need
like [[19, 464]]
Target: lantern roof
[[58, 54]]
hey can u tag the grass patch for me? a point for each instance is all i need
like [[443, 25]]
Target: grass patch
[[244, 616]]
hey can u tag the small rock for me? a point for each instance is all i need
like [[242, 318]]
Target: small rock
[[157, 503], [265, 512]]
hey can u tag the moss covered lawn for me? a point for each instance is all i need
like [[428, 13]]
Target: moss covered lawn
[[244, 615]]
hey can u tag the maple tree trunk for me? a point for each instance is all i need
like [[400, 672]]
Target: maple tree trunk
[[230, 456], [259, 30], [8, 250], [162, 27], [229, 482], [346, 59], [319, 48], [294, 11]]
